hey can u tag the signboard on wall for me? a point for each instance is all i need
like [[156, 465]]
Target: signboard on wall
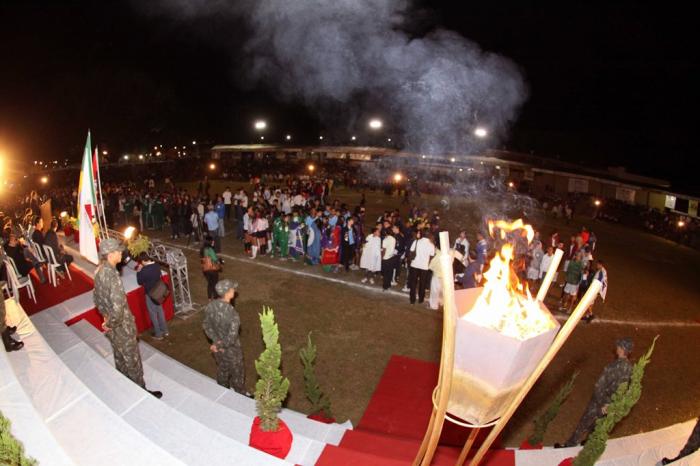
[[693, 209], [578, 185], [625, 194], [670, 202]]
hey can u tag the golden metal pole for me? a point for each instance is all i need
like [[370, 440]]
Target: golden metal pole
[[449, 321], [556, 345], [544, 287], [468, 446]]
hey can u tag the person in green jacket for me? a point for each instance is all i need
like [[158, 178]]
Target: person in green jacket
[[280, 237], [574, 273]]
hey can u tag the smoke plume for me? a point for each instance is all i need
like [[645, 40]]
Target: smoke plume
[[358, 58]]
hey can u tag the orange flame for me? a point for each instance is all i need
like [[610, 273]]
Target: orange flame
[[505, 304]]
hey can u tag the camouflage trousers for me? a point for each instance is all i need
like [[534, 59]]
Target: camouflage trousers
[[585, 425], [231, 372], [127, 357]]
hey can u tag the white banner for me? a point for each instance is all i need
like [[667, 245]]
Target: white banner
[[625, 194], [670, 202], [578, 185]]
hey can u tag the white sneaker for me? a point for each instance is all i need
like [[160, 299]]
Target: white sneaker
[[405, 289], [394, 283], [364, 280], [371, 281]]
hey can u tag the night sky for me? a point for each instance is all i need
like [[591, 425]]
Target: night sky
[[609, 84]]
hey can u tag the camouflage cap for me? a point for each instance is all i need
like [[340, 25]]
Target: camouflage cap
[[110, 245], [224, 285], [625, 343]]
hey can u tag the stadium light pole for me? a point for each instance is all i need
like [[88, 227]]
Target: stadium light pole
[[375, 125], [260, 126]]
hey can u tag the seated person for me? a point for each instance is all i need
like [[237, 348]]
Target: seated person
[[23, 257], [472, 271], [51, 240], [38, 233]]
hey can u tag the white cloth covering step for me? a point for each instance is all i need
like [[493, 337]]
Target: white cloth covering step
[[205, 386], [645, 449], [192, 396], [184, 437], [27, 425], [83, 426]]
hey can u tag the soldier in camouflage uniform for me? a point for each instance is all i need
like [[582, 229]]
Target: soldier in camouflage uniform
[[613, 375], [10, 343], [221, 325], [119, 323]]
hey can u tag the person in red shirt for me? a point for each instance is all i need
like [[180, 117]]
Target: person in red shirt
[[585, 235]]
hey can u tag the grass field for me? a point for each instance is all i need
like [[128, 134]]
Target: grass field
[[653, 290]]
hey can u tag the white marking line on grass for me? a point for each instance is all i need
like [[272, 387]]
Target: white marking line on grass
[[597, 320], [299, 272], [637, 323]]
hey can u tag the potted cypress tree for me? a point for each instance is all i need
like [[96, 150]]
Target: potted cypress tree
[[320, 404], [269, 433], [534, 442], [622, 402]]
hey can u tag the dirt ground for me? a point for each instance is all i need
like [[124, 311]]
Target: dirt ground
[[653, 291]]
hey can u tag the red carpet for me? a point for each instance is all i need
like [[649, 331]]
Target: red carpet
[[410, 382], [137, 303], [48, 296], [394, 423]]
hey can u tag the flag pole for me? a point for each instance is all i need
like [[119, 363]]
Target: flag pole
[[101, 206]]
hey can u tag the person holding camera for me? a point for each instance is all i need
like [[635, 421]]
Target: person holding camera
[[148, 275]]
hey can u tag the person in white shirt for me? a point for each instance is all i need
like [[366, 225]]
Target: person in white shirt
[[546, 262], [421, 250], [227, 195], [247, 233], [462, 243], [435, 299], [286, 204], [389, 260], [600, 274], [371, 259], [298, 200], [533, 269]]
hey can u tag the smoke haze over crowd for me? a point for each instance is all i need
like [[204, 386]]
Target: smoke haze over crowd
[[350, 60]]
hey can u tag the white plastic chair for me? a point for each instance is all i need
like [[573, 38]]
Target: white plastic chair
[[17, 282], [53, 265], [36, 250]]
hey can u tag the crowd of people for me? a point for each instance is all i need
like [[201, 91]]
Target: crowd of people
[[291, 217], [295, 218]]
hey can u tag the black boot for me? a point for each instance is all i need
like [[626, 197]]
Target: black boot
[[155, 393], [10, 343]]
